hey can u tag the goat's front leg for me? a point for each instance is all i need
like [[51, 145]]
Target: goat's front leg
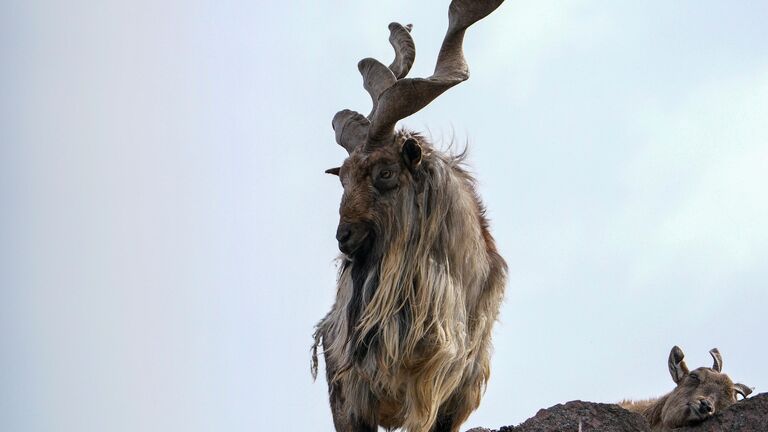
[[446, 423], [343, 421]]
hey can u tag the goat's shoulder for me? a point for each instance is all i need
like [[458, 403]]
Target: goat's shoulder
[[638, 406]]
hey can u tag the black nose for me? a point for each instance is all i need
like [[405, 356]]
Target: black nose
[[343, 233], [351, 237], [705, 406]]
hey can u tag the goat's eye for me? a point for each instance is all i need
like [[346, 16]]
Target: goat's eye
[[386, 178], [695, 377]]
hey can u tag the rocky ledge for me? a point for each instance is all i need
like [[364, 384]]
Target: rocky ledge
[[749, 415]]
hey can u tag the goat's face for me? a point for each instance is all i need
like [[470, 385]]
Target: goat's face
[[699, 393], [371, 179]]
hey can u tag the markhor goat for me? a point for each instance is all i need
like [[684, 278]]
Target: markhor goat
[[407, 341], [699, 394]]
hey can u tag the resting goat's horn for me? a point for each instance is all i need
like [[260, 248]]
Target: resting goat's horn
[[718, 365], [395, 97], [742, 389]]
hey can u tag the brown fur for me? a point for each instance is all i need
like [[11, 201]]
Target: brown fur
[[699, 394], [407, 342]]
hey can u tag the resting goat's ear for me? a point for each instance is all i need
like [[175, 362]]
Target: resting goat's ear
[[718, 365], [334, 171], [742, 389], [677, 366]]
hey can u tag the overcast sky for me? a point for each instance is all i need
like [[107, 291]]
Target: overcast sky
[[167, 232]]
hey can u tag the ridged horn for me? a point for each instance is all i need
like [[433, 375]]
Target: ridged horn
[[405, 49], [410, 95], [351, 129], [395, 97]]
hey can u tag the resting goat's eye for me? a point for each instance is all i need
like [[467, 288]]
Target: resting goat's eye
[[385, 174], [695, 377]]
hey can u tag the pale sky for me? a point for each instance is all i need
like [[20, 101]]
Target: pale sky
[[167, 240]]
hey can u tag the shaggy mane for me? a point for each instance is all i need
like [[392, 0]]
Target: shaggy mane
[[413, 315]]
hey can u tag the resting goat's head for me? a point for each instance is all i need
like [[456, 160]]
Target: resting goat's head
[[384, 164], [700, 393]]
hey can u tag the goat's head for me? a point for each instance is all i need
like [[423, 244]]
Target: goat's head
[[383, 165], [699, 393], [375, 181]]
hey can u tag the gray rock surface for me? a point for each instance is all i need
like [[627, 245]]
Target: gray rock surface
[[749, 415]]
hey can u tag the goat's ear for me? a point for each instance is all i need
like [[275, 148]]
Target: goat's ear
[[411, 152], [677, 367], [741, 389], [334, 171], [718, 365]]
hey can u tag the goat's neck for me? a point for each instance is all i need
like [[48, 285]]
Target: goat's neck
[[653, 411]]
